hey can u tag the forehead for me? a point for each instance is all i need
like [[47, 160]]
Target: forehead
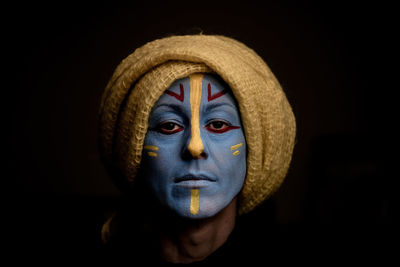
[[213, 91]]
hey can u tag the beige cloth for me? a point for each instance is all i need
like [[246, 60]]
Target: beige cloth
[[142, 77]]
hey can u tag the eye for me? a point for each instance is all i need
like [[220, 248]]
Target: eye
[[168, 127], [219, 126]]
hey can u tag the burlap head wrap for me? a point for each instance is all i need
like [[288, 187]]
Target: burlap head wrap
[[142, 77]]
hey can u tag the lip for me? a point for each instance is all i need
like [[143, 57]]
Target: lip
[[194, 181]]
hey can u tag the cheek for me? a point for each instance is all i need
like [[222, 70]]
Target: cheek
[[235, 165], [230, 160], [160, 156]]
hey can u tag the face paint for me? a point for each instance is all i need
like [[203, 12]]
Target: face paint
[[195, 131], [151, 153], [196, 144], [194, 201], [236, 152]]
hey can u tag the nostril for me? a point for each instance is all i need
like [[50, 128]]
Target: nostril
[[203, 155], [188, 155]]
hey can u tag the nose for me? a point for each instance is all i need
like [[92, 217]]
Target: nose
[[196, 147]]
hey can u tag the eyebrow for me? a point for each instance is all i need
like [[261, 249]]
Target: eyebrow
[[175, 107], [178, 108], [212, 106]]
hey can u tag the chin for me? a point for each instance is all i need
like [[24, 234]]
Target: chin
[[207, 209]]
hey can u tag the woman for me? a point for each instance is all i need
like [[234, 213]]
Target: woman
[[202, 124]]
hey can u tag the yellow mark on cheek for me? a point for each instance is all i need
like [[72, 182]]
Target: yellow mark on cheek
[[194, 201], [196, 145], [151, 148], [150, 153], [236, 146], [237, 152]]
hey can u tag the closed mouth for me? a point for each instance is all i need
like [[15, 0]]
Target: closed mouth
[[191, 177]]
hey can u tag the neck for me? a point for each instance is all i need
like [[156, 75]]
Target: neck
[[186, 241]]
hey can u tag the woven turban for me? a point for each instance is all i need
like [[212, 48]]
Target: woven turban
[[143, 76]]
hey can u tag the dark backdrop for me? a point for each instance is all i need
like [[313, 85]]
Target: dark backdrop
[[332, 59]]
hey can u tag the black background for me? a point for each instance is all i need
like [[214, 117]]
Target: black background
[[334, 60]]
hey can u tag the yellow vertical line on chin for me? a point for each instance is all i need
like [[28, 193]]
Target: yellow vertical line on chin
[[196, 145], [194, 201]]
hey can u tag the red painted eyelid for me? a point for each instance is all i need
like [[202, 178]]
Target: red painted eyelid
[[171, 131], [207, 127], [161, 130], [222, 130]]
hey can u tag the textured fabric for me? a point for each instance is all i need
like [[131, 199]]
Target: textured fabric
[[142, 77]]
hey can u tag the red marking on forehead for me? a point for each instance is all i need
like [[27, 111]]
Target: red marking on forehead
[[181, 96], [212, 97]]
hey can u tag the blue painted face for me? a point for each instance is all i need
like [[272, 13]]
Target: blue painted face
[[194, 155]]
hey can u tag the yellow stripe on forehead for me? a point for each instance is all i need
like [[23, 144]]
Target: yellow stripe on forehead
[[196, 145]]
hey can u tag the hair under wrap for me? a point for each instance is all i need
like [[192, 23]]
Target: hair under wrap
[[143, 76]]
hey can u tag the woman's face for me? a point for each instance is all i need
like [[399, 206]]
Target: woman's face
[[194, 155]]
